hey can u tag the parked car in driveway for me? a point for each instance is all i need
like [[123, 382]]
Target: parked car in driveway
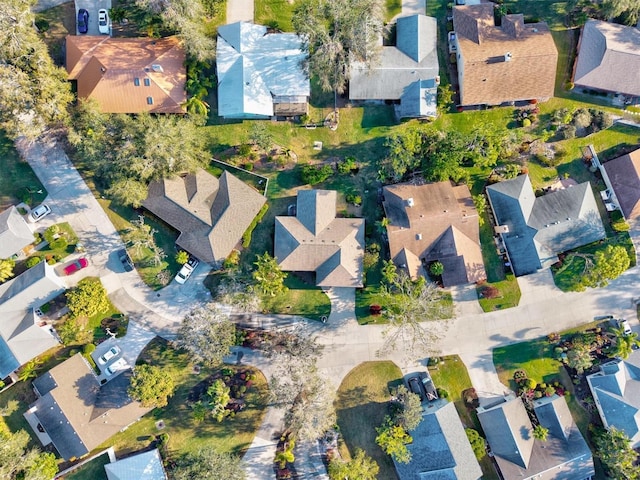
[[75, 266], [624, 325], [39, 213], [103, 21], [109, 354], [83, 21], [428, 386], [186, 270], [415, 386], [116, 366], [125, 259]]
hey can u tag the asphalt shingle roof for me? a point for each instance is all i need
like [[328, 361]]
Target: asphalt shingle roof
[[609, 58], [15, 234], [624, 175]]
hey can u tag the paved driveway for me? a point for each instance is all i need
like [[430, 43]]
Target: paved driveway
[[92, 6]]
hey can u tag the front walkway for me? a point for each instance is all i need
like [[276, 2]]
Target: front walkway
[[240, 11], [484, 377]]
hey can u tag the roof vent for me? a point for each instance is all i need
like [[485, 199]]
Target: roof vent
[[437, 79], [418, 236], [508, 57], [410, 202], [157, 68]]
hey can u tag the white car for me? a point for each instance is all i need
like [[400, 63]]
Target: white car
[[116, 367], [624, 325], [39, 213], [452, 42], [186, 270], [112, 352], [103, 21]]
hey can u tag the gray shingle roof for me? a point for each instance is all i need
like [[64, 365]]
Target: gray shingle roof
[[316, 241], [211, 214], [624, 175], [19, 328], [405, 72], [143, 466], [15, 234], [540, 228], [609, 58], [616, 391], [440, 448]]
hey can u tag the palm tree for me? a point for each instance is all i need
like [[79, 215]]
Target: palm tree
[[625, 343], [197, 106], [540, 433]]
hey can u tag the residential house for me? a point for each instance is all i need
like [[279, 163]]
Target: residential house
[[76, 412], [23, 336], [616, 392], [211, 214], [129, 75], [406, 73], [609, 59], [534, 230], [513, 62], [440, 448], [314, 240], [622, 178], [434, 222], [563, 455], [15, 234], [260, 72], [142, 466]]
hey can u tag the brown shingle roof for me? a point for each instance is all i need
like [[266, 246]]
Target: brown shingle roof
[[211, 214], [122, 74], [316, 241], [624, 174], [442, 224], [485, 74]]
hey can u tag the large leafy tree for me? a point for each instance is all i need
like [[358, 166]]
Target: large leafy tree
[[6, 269], [478, 444], [18, 461], [151, 386], [336, 33], [618, 458], [360, 467], [207, 334], [393, 439], [627, 11], [208, 464], [34, 93], [268, 275], [87, 298], [408, 409]]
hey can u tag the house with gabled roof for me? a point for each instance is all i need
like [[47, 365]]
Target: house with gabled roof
[[407, 73], [622, 177], [23, 336], [440, 448], [15, 234], [534, 230], [515, 61], [616, 392], [608, 58], [129, 75], [434, 222], [211, 214], [564, 455], [316, 241], [76, 412], [141, 466], [260, 72]]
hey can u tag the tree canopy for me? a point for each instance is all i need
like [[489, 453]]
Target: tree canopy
[[393, 439], [360, 467], [87, 298], [408, 409], [268, 275], [618, 458], [336, 33], [151, 386], [18, 461], [207, 334], [626, 11], [6, 269]]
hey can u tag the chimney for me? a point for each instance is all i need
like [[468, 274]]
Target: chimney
[[410, 202], [508, 57]]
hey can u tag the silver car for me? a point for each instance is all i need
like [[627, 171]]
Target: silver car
[[112, 352], [39, 213]]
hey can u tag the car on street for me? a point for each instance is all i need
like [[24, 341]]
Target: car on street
[[186, 270], [109, 354], [75, 266], [125, 259], [415, 386], [83, 21], [39, 213], [116, 366], [624, 325], [103, 21]]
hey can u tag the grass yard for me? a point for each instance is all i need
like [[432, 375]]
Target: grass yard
[[300, 299], [509, 295], [452, 376], [93, 470], [365, 297], [232, 435], [274, 13], [361, 405], [18, 183]]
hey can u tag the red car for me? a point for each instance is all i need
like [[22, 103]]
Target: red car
[[75, 266]]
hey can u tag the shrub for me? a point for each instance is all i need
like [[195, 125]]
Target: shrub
[[347, 166], [233, 260], [549, 391], [582, 118], [32, 261], [478, 444], [354, 199], [246, 237], [375, 309], [88, 348], [244, 150], [59, 243], [51, 232], [442, 393], [526, 122], [568, 132], [490, 291], [530, 384], [436, 269], [313, 175]]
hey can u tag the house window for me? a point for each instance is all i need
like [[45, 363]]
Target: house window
[[136, 82], [149, 100], [147, 82]]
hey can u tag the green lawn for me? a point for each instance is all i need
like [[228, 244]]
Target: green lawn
[[300, 299], [365, 297], [18, 183], [232, 435], [274, 13], [93, 470], [452, 376], [509, 295], [361, 405]]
